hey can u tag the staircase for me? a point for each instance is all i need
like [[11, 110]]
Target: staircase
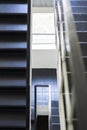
[[79, 9], [14, 65], [55, 117], [73, 117]]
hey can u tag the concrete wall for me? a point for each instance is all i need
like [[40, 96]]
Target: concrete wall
[[44, 58]]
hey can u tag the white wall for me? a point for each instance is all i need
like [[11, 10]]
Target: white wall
[[43, 3], [44, 58], [43, 46]]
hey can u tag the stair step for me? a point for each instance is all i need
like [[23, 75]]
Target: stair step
[[12, 99], [13, 27], [13, 87], [55, 111], [13, 8], [78, 17], [81, 26], [55, 119], [9, 64], [13, 1], [12, 73], [13, 36], [79, 3], [13, 64], [13, 128], [12, 119], [13, 45], [12, 82], [12, 54], [55, 126], [84, 48], [79, 10], [13, 18], [54, 103], [82, 36]]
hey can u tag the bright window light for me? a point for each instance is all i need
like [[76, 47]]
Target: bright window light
[[43, 23], [46, 39], [43, 32]]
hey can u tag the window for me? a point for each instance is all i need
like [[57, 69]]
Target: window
[[43, 32]]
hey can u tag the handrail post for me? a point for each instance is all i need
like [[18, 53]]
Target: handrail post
[[28, 71]]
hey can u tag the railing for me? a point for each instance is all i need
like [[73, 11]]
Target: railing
[[72, 84]]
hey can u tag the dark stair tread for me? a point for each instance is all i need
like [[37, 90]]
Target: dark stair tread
[[79, 9], [12, 82], [13, 36], [54, 103], [13, 1], [13, 8], [55, 111], [13, 18], [13, 45], [13, 27], [11, 128], [82, 36], [6, 63], [80, 17], [13, 87], [84, 48], [13, 64], [12, 118], [55, 126], [81, 26], [55, 119], [12, 100], [79, 3]]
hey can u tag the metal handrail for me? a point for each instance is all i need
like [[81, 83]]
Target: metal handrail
[[59, 72], [77, 66], [64, 77], [64, 70]]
